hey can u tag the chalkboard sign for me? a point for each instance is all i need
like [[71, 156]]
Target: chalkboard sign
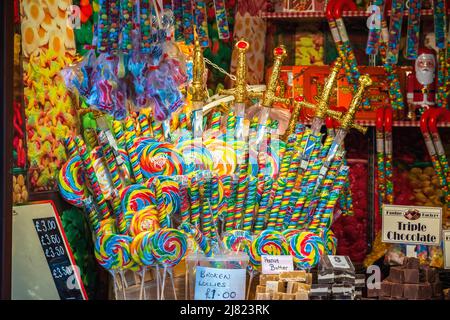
[[43, 264], [58, 260]]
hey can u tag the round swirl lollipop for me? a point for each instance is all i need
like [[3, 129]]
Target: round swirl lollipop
[[268, 242], [107, 226], [112, 251], [169, 246], [288, 233], [196, 155], [136, 197], [237, 240], [306, 248], [171, 194], [141, 249], [144, 220], [71, 182], [159, 158], [224, 155]]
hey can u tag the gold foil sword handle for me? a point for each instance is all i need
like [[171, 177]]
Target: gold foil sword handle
[[269, 96], [198, 70]]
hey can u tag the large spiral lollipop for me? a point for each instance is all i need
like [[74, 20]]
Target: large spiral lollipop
[[136, 197], [306, 248], [71, 182], [169, 246], [237, 240], [268, 242], [112, 251], [144, 220], [141, 249]]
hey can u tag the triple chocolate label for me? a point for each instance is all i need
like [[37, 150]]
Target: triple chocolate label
[[412, 225]]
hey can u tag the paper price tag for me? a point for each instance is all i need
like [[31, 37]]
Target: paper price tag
[[446, 237], [276, 264], [219, 284]]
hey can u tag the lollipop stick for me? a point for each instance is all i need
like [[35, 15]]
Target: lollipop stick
[[157, 282], [163, 283], [122, 279], [114, 283], [249, 285], [173, 284], [142, 283]]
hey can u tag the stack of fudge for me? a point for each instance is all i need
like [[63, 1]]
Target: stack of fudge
[[337, 281], [410, 281], [289, 285]]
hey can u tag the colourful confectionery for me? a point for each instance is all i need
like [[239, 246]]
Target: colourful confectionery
[[225, 150]]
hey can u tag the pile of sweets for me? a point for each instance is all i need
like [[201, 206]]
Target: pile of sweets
[[289, 285], [410, 281], [336, 280]]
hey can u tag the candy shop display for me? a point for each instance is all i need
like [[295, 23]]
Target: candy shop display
[[185, 147]]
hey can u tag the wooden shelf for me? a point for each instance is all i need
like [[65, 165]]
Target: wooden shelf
[[404, 123], [320, 15]]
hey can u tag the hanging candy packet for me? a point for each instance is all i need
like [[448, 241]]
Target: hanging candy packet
[[78, 77]]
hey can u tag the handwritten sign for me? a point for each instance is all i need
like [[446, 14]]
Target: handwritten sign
[[219, 284], [411, 225], [61, 268], [276, 264], [446, 235]]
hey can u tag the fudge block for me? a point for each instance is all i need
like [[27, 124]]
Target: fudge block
[[262, 296], [411, 263], [373, 293], [277, 295], [411, 291], [397, 290], [411, 275], [275, 286], [292, 287], [267, 277], [320, 290], [396, 275], [303, 286], [427, 274], [288, 296], [342, 289], [325, 277], [309, 278], [298, 275], [301, 295], [260, 289], [436, 289], [386, 289], [425, 291], [360, 280], [358, 294]]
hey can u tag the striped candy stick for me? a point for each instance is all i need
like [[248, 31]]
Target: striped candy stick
[[194, 194], [206, 207], [215, 121], [118, 134], [183, 121], [231, 122], [185, 205], [90, 138], [263, 206], [326, 219], [305, 184], [71, 147], [89, 169], [145, 127], [250, 203], [157, 129], [110, 160], [91, 212], [243, 180], [316, 210], [229, 218], [130, 137], [164, 219], [215, 206]]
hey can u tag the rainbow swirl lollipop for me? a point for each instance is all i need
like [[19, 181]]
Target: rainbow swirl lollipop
[[307, 248], [144, 220], [192, 245], [224, 155], [237, 240], [159, 158], [171, 193], [112, 251], [141, 249], [107, 226], [169, 246], [196, 155], [71, 182], [268, 242], [103, 177], [289, 233], [136, 197], [330, 241]]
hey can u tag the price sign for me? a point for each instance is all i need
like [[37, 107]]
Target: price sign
[[219, 284], [446, 235], [276, 264], [57, 256], [412, 225]]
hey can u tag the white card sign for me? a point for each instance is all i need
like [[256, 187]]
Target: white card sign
[[219, 284], [339, 262], [412, 225], [276, 264], [446, 235]]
